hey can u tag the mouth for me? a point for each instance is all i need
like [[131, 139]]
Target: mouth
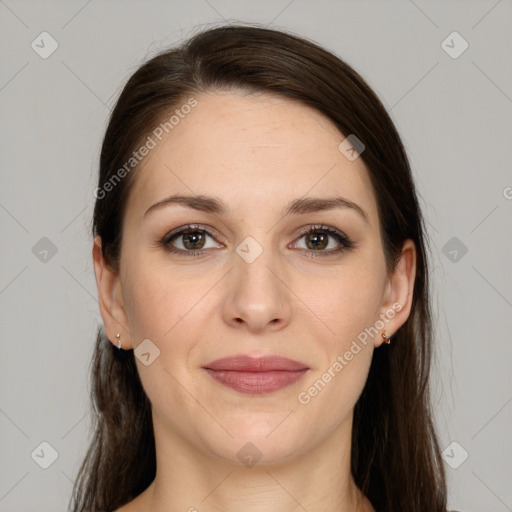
[[251, 375]]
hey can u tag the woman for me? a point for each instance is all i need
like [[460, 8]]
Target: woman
[[262, 277]]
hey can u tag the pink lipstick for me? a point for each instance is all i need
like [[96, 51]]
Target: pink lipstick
[[256, 375]]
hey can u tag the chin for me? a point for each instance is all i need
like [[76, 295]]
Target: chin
[[258, 440]]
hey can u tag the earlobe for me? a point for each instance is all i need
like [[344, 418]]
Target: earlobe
[[110, 298], [399, 292]]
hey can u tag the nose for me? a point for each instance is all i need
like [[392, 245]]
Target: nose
[[257, 297]]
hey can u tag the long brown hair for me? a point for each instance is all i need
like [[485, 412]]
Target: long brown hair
[[396, 458]]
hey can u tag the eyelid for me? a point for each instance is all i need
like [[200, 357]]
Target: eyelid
[[339, 236], [191, 227], [320, 227]]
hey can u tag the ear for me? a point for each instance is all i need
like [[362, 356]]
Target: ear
[[110, 297], [399, 290]]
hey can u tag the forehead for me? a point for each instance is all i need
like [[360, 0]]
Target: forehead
[[251, 150]]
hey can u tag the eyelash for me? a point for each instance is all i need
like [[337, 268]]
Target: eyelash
[[345, 242]]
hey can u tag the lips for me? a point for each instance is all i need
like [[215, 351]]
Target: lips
[[244, 363], [251, 375]]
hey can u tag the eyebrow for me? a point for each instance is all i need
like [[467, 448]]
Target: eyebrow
[[296, 207]]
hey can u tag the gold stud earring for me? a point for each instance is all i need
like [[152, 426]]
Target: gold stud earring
[[386, 339]]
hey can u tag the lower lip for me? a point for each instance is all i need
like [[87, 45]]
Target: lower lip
[[255, 383]]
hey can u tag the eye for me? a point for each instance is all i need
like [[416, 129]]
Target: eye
[[192, 240], [317, 238]]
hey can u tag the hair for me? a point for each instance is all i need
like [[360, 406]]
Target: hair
[[395, 456]]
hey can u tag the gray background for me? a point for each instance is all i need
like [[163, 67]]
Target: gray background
[[455, 117]]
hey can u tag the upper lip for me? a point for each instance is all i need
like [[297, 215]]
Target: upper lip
[[244, 363]]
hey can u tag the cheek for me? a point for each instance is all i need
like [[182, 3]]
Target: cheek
[[159, 308], [329, 396], [154, 300], [148, 310], [349, 305], [350, 300], [162, 304]]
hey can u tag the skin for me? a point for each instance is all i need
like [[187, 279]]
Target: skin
[[256, 152]]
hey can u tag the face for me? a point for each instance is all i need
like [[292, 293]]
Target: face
[[248, 280]]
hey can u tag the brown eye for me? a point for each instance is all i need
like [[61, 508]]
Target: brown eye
[[315, 241], [318, 238], [193, 240], [189, 241]]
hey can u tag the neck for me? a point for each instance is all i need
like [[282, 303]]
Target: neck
[[190, 479]]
